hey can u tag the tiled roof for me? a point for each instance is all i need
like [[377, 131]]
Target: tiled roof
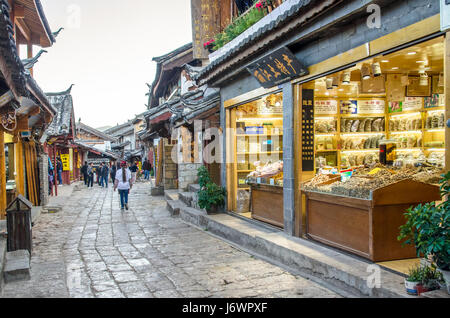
[[94, 131], [63, 103], [286, 12], [12, 69]]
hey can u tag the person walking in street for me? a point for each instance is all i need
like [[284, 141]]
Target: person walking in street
[[59, 169], [147, 167], [84, 172], [124, 183], [90, 172], [113, 172], [104, 175], [134, 169]]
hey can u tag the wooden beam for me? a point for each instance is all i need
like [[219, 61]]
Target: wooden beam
[[19, 11], [6, 98], [2, 176], [26, 32], [20, 178]]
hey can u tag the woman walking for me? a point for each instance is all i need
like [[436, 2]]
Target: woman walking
[[124, 183]]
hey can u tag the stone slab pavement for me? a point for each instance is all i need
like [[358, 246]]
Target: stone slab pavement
[[92, 249]]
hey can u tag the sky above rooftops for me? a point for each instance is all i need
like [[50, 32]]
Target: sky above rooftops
[[106, 50]]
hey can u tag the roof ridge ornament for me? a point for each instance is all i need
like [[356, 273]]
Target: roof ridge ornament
[[29, 63]]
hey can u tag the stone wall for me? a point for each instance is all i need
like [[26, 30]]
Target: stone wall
[[43, 179], [170, 169], [187, 174]]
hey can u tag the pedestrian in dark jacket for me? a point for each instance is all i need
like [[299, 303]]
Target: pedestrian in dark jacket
[[90, 172], [59, 169], [113, 172], [104, 171], [147, 167], [83, 171]]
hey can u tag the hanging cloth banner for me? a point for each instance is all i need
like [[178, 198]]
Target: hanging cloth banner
[[277, 68]]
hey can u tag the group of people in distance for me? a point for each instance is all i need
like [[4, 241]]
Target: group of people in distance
[[122, 175]]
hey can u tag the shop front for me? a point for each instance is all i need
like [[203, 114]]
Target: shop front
[[256, 153], [361, 133], [379, 148]]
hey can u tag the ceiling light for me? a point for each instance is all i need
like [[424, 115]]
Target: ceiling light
[[346, 77], [329, 83], [335, 81], [424, 80], [412, 53], [376, 69], [365, 72], [385, 61], [395, 68]]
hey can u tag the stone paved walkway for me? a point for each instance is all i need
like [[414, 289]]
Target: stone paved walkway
[[92, 249]]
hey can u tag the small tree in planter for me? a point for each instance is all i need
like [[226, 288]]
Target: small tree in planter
[[428, 229], [211, 196]]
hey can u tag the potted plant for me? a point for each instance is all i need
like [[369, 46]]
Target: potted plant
[[428, 229], [422, 279], [413, 280], [211, 196]]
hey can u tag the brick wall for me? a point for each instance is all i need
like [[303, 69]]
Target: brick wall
[[187, 174]]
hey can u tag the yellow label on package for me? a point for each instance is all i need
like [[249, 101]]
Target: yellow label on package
[[241, 181], [374, 171]]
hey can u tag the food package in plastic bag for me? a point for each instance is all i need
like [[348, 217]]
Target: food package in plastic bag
[[243, 201]]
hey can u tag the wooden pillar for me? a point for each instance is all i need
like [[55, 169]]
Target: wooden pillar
[[20, 175], [447, 99], [55, 172], [2, 176], [30, 54]]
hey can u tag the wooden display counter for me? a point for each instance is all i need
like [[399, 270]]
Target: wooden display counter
[[267, 204], [368, 228]]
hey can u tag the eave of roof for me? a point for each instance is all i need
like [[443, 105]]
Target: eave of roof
[[259, 40]]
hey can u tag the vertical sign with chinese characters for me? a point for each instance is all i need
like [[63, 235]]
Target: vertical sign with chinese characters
[[205, 24], [277, 68], [308, 130]]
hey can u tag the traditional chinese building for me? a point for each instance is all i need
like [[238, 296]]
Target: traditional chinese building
[[25, 111]]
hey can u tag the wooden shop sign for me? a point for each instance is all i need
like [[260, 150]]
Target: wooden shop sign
[[277, 68]]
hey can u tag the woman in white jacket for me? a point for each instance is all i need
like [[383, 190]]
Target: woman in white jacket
[[124, 183]]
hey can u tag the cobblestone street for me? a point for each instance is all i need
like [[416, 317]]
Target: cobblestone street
[[92, 249]]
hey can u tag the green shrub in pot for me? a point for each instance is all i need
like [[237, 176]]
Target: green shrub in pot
[[211, 196], [428, 229]]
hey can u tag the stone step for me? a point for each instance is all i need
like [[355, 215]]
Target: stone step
[[194, 188], [174, 207], [157, 191], [186, 198], [17, 266], [346, 274], [171, 195]]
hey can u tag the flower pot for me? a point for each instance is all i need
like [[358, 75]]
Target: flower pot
[[421, 289], [446, 275], [411, 288]]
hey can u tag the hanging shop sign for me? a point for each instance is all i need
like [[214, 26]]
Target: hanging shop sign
[[308, 130], [277, 68], [326, 107], [65, 158]]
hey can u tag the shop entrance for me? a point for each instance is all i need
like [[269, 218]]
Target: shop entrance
[[255, 159], [394, 103]]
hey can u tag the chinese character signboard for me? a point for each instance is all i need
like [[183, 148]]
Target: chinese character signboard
[[308, 130], [65, 158], [277, 68], [205, 24]]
